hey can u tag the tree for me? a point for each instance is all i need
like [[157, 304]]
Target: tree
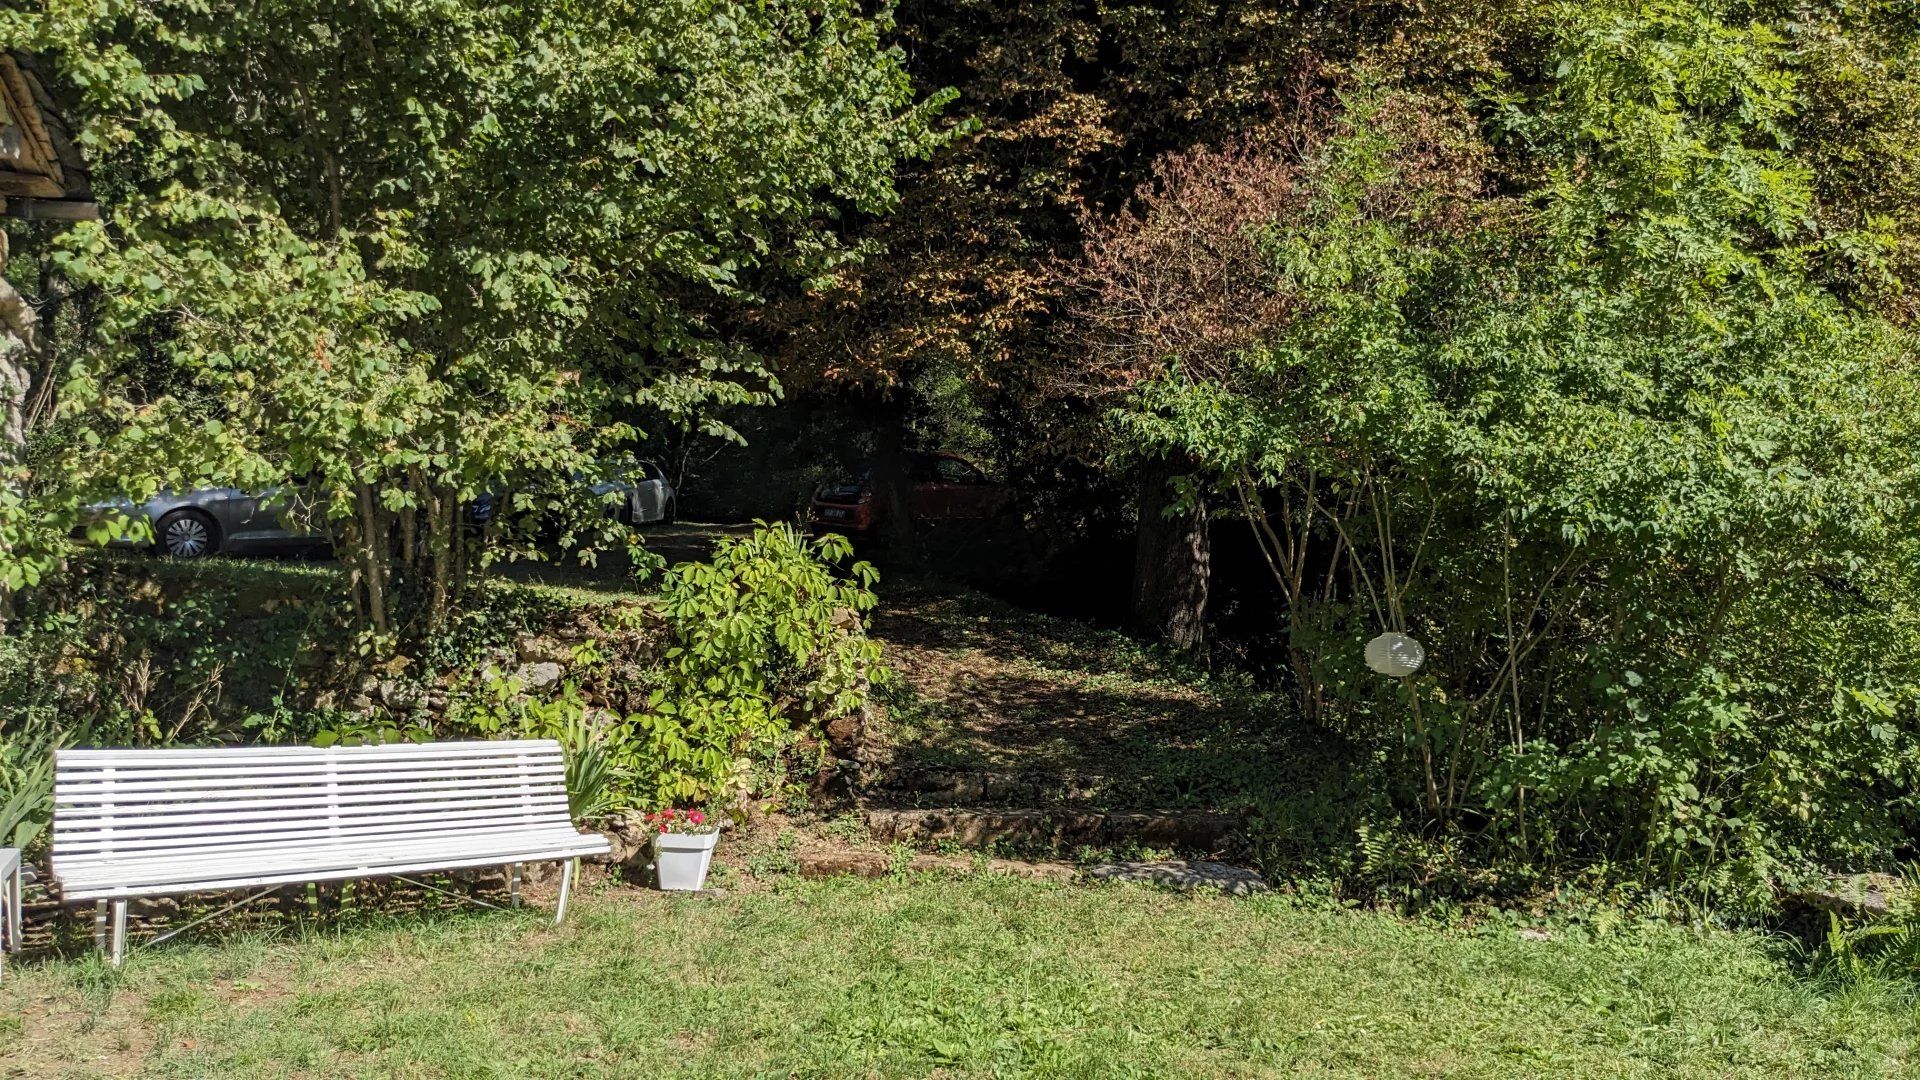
[[1181, 275], [1856, 127], [416, 252], [1068, 104]]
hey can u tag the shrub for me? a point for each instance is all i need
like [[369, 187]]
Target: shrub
[[603, 756], [767, 644], [1601, 434], [767, 641], [592, 769]]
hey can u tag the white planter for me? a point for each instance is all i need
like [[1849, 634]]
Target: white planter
[[681, 859]]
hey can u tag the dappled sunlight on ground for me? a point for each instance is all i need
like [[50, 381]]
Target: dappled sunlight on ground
[[1077, 713]]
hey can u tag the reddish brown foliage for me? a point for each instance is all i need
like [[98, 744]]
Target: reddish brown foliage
[[1182, 275], [1074, 100]]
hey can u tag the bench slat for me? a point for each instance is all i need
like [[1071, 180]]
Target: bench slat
[[167, 867], [233, 755], [267, 837], [318, 795], [97, 888], [304, 852], [248, 831], [161, 782], [398, 791], [297, 766], [543, 807]]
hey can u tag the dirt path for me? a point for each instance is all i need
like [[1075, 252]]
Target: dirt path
[[1054, 712]]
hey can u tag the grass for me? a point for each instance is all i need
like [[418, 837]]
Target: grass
[[968, 976]]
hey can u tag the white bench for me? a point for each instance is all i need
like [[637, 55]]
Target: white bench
[[139, 823]]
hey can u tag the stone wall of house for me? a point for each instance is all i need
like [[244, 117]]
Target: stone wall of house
[[19, 346]]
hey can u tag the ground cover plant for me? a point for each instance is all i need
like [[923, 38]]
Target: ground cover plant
[[971, 976], [1065, 712]]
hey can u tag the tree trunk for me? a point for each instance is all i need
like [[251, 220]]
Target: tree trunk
[[374, 555], [892, 482], [1171, 559], [444, 515], [55, 294]]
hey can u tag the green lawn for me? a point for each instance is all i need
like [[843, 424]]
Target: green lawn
[[974, 976]]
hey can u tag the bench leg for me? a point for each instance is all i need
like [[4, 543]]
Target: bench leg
[[566, 884], [9, 917], [119, 931], [16, 892], [100, 926], [513, 884]]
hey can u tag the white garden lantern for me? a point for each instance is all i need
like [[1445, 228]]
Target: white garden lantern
[[1395, 654]]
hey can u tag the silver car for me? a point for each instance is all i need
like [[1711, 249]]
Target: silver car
[[634, 492], [195, 524], [647, 496]]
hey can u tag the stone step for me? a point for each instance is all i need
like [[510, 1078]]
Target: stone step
[[952, 787], [1177, 874], [1184, 876], [821, 864], [1054, 829]]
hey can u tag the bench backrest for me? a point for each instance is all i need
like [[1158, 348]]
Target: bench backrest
[[140, 803]]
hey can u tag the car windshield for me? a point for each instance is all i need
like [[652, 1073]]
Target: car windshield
[[606, 472]]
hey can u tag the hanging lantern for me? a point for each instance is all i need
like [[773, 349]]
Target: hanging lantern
[[1395, 654]]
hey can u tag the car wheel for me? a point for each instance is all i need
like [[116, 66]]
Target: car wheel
[[186, 534], [671, 513]]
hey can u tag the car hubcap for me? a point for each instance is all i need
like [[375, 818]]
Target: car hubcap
[[187, 537]]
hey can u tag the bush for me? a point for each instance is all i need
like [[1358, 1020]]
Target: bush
[[26, 787], [150, 653], [1613, 447], [768, 643], [606, 760]]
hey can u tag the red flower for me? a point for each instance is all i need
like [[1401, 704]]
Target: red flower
[[696, 817]]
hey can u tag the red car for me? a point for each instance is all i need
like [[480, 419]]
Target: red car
[[944, 487]]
